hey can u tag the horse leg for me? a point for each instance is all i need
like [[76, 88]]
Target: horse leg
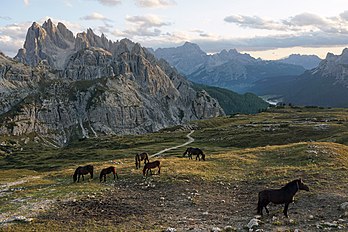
[[259, 207], [159, 170], [78, 177], [105, 178], [286, 209]]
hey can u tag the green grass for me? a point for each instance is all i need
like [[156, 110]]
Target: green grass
[[239, 149]]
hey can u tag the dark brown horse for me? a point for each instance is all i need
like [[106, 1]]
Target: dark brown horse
[[151, 165], [285, 195], [82, 170], [194, 151], [140, 157], [108, 170]]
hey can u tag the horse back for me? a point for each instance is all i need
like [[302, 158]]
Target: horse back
[[276, 196], [152, 164]]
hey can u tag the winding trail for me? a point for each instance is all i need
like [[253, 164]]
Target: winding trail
[[190, 140]]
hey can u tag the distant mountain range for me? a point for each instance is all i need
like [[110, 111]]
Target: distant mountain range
[[325, 83], [226, 69], [306, 61]]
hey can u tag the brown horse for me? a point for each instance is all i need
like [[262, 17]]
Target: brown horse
[[151, 165], [194, 151], [285, 195], [140, 157], [82, 170], [108, 170]]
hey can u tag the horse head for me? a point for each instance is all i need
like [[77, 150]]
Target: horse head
[[301, 185], [188, 150]]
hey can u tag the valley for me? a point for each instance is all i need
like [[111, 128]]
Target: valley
[[244, 155]]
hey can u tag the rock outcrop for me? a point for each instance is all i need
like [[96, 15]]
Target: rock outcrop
[[77, 87]]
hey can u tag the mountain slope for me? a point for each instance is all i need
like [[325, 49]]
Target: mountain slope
[[232, 102], [86, 85], [326, 85]]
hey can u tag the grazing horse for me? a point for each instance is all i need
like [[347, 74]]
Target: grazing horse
[[140, 157], [284, 195], [108, 170], [194, 151], [151, 165], [82, 170]]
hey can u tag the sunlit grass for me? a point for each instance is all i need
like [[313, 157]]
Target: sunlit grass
[[239, 149]]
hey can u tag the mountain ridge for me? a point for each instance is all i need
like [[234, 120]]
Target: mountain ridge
[[77, 87], [226, 69]]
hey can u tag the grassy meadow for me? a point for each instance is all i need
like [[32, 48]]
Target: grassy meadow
[[244, 155]]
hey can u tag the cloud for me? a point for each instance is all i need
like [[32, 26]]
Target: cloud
[[143, 26], [155, 3], [344, 15], [254, 22], [316, 39], [12, 37], [95, 16], [147, 21], [110, 2], [306, 19], [26, 2], [304, 22]]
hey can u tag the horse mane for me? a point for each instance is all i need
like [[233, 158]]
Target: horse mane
[[290, 184]]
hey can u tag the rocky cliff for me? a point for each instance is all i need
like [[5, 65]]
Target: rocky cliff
[[77, 87]]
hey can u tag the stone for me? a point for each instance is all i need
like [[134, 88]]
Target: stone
[[170, 229], [215, 229], [253, 223], [344, 206]]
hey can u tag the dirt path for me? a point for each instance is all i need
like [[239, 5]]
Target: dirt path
[[190, 140]]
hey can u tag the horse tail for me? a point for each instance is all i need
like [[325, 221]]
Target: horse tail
[[101, 175], [91, 172], [75, 175], [115, 173], [144, 170], [203, 156], [137, 161], [146, 158]]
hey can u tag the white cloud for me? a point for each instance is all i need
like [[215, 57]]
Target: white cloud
[[344, 15], [26, 2], [147, 21], [110, 2], [314, 39], [254, 22], [95, 16], [304, 22], [155, 3], [143, 26]]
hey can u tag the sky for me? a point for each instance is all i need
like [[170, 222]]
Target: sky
[[270, 29]]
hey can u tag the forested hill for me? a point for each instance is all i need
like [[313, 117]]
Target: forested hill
[[232, 102]]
